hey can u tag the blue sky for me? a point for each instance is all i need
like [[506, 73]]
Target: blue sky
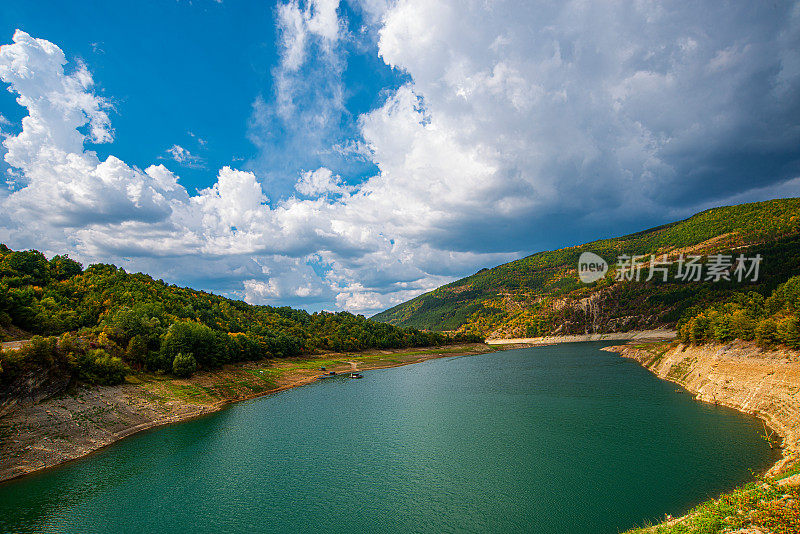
[[198, 87], [200, 93], [353, 154]]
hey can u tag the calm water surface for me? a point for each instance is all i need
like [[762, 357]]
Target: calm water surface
[[559, 439]]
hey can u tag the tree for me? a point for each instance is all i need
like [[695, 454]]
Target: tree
[[789, 332], [767, 332], [99, 367], [184, 365], [698, 329], [129, 317], [156, 360], [62, 267], [136, 350], [31, 264], [723, 328], [141, 320], [208, 346], [744, 327]]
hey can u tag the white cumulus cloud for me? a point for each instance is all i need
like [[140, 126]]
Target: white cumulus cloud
[[522, 125]]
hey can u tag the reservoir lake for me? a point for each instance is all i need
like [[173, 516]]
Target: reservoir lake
[[557, 439]]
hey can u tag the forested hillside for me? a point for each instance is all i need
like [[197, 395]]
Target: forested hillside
[[102, 321], [541, 294], [770, 321]]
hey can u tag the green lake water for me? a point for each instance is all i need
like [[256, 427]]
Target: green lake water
[[558, 439]]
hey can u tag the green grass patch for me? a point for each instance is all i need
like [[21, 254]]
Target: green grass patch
[[378, 359], [186, 392], [315, 363], [134, 379], [679, 370], [761, 504], [268, 374], [234, 389], [657, 351], [793, 469], [225, 391]]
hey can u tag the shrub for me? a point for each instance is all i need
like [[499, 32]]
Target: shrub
[[40, 350], [767, 332], [158, 361], [10, 365], [184, 365], [99, 367], [788, 332], [137, 349]]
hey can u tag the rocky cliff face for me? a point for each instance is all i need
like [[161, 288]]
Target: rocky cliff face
[[604, 311], [740, 375], [609, 310], [33, 385]]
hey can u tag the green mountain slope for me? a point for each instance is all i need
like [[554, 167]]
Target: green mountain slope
[[541, 294]]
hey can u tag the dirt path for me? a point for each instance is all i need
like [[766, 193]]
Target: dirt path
[[14, 345]]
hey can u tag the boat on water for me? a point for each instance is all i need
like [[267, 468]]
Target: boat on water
[[329, 374], [332, 374]]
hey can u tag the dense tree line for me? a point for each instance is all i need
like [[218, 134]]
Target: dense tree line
[[102, 321], [774, 320]]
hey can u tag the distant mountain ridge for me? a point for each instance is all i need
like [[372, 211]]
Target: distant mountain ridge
[[541, 293]]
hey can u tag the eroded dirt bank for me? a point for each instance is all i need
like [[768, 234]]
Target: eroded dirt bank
[[642, 335], [36, 434], [765, 383]]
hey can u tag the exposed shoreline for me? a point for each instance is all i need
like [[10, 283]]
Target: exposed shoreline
[[82, 421], [641, 335]]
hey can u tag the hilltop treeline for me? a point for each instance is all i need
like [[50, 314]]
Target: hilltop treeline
[[774, 320], [102, 321]]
